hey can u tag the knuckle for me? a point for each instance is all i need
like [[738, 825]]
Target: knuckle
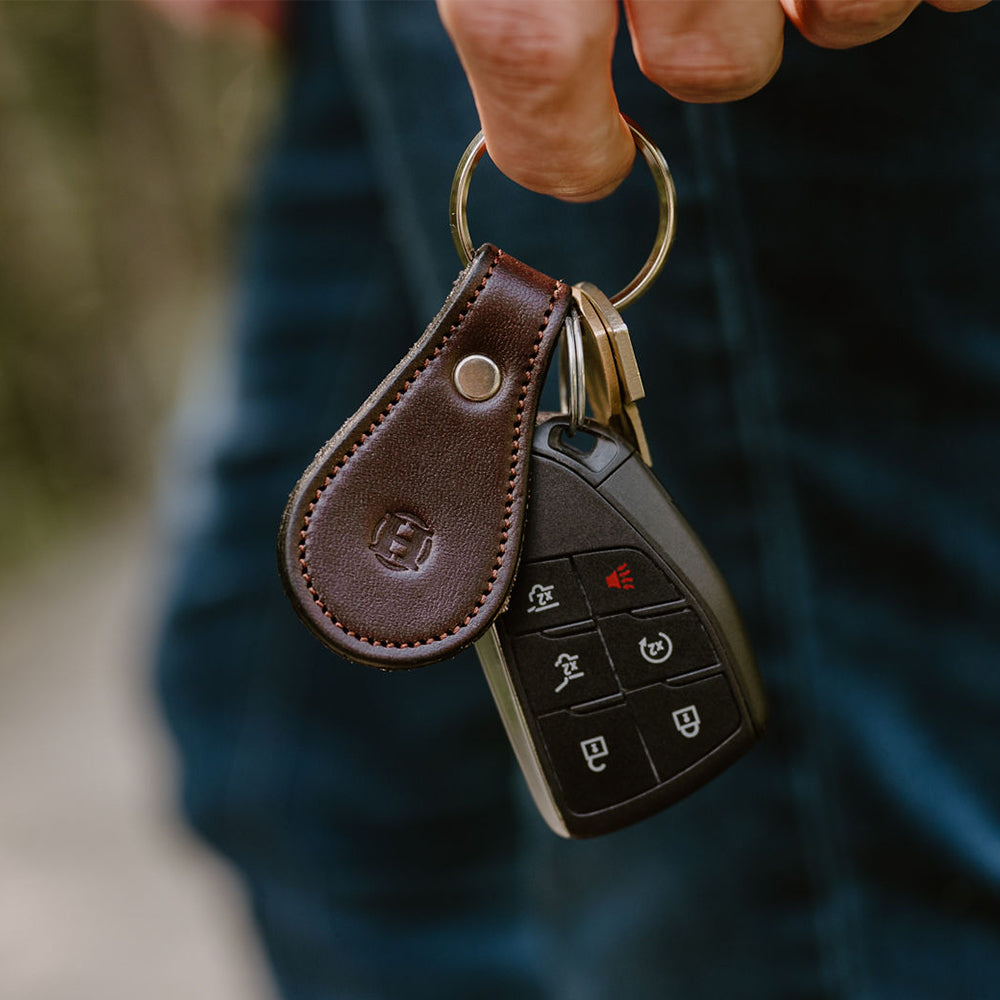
[[580, 180], [714, 75], [568, 163], [858, 13], [852, 21], [516, 47]]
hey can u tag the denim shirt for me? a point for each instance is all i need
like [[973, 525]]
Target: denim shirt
[[822, 362]]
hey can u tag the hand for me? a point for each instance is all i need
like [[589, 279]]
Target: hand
[[540, 70]]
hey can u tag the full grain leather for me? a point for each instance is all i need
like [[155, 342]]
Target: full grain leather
[[400, 542]]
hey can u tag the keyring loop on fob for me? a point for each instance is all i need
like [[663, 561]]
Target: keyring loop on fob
[[572, 376], [664, 190]]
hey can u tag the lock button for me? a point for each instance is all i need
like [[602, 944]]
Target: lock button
[[684, 724]]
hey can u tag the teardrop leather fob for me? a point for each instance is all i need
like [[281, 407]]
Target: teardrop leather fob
[[399, 544]]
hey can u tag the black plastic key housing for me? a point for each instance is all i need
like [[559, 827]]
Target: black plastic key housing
[[621, 668]]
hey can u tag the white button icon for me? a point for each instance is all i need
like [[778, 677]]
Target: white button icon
[[656, 650], [593, 750], [687, 721], [567, 663], [541, 598]]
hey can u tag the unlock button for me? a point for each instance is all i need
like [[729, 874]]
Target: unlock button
[[598, 758]]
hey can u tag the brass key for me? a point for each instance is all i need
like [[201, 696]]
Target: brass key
[[614, 385]]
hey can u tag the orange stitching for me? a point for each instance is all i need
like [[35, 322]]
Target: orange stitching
[[508, 508]]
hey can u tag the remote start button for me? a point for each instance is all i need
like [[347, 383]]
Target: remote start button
[[649, 649]]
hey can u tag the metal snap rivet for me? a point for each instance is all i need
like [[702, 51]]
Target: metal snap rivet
[[477, 377]]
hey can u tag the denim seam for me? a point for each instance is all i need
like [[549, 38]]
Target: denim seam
[[785, 573], [349, 20]]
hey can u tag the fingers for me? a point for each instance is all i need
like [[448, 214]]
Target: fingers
[[541, 77], [707, 51], [841, 24], [540, 70], [957, 6]]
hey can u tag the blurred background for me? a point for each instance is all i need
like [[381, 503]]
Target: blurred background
[[126, 148]]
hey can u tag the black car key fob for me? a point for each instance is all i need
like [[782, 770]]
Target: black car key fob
[[621, 667]]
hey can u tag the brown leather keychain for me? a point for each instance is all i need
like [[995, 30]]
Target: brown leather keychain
[[400, 542]]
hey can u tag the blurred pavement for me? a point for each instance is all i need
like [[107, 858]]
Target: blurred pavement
[[103, 895]]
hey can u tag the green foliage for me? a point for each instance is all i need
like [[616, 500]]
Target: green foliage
[[123, 152]]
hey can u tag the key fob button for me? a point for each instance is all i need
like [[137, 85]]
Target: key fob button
[[546, 593], [683, 724], [599, 757], [559, 672], [622, 579], [650, 649]]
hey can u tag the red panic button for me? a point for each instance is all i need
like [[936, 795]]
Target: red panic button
[[623, 580]]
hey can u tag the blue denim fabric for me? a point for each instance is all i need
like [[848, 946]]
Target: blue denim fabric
[[822, 358]]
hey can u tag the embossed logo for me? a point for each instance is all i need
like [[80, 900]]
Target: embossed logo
[[401, 541]]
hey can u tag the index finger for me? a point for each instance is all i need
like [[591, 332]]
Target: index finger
[[541, 77]]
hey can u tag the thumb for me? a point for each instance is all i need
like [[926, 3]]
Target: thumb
[[541, 77]]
